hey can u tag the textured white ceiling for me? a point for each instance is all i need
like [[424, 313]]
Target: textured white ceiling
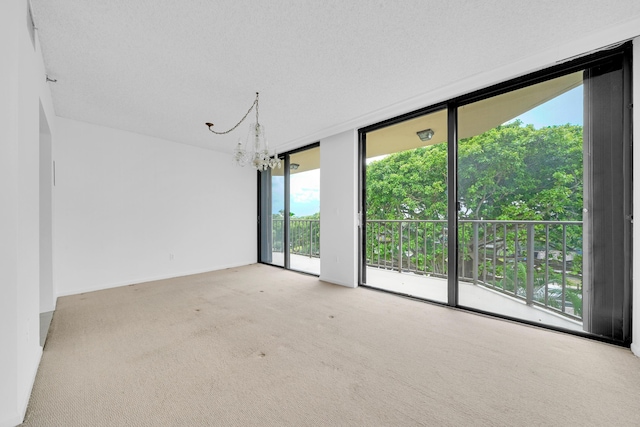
[[165, 67]]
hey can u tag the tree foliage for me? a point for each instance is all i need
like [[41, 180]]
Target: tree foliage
[[513, 172], [510, 172]]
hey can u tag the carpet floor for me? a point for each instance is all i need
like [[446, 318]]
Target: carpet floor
[[259, 345]]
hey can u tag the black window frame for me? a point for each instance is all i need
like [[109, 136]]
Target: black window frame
[[284, 157], [623, 49]]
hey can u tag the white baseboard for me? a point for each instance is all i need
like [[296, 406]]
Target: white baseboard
[[338, 282], [133, 281]]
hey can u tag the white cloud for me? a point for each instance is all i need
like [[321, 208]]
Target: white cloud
[[305, 193], [305, 187], [306, 196]]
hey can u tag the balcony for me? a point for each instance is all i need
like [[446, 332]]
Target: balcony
[[530, 270]]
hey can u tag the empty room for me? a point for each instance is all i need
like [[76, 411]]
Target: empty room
[[319, 213]]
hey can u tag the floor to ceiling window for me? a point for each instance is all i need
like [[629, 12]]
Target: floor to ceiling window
[[406, 206], [290, 212], [520, 189], [272, 208], [516, 204]]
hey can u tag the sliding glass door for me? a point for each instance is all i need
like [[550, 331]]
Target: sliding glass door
[[543, 226], [518, 203], [520, 190], [290, 212], [406, 207], [304, 210], [272, 207]]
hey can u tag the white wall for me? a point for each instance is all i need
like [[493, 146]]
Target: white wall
[[28, 248], [22, 89], [131, 208], [47, 297], [339, 201], [635, 346], [9, 72]]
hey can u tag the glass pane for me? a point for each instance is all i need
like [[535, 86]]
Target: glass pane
[[304, 207], [276, 210], [520, 181], [406, 207]]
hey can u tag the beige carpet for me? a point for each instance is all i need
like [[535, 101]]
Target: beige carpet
[[258, 345]]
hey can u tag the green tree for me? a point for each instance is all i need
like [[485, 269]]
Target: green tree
[[512, 172], [408, 185], [518, 172]]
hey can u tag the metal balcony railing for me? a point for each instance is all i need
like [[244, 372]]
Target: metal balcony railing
[[539, 262], [304, 236]]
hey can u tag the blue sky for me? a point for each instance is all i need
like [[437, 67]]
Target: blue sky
[[305, 193], [566, 108], [305, 186]]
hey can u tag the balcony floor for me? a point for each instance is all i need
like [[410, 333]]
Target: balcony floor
[[298, 262], [435, 289], [472, 296]]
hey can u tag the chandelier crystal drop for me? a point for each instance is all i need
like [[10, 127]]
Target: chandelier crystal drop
[[254, 150]]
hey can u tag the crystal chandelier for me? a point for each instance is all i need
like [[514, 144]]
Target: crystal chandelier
[[255, 149]]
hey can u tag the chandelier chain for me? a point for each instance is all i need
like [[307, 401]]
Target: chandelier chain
[[255, 150], [255, 104]]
